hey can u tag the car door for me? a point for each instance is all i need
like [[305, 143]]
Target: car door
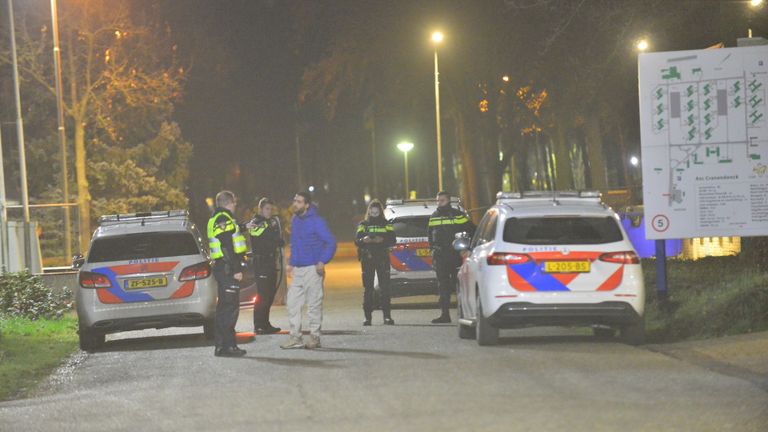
[[473, 264]]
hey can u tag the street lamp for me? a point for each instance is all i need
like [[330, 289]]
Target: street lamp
[[437, 38], [642, 45], [405, 147], [755, 4], [634, 161]]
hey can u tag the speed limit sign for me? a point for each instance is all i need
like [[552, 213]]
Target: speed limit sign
[[660, 223]]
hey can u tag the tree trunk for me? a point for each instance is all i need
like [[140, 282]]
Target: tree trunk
[[83, 195], [468, 184], [562, 157], [596, 157]]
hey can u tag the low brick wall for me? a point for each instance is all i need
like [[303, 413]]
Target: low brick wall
[[59, 280]]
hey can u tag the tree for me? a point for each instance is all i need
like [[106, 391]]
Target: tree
[[121, 79]]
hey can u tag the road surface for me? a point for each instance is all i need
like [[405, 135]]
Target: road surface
[[413, 376]]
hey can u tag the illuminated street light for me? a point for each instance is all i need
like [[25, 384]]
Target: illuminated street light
[[634, 161], [505, 78], [437, 38], [405, 147], [642, 45]]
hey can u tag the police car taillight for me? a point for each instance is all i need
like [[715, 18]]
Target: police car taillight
[[627, 257], [94, 280], [194, 272], [501, 258]]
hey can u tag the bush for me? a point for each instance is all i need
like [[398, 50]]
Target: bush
[[24, 295]]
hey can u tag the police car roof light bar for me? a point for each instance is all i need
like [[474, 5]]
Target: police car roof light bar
[[553, 195], [143, 216]]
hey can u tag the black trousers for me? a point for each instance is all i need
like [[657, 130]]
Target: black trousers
[[227, 308], [266, 285], [371, 268], [447, 269]]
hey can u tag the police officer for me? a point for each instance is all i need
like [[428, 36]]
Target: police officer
[[227, 247], [374, 238], [444, 224], [266, 240]]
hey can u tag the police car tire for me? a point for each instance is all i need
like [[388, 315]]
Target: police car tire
[[603, 333], [487, 334], [634, 334], [90, 340], [465, 332], [209, 329]]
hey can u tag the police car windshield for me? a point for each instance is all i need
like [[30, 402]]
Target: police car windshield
[[142, 246], [415, 226], [568, 230]]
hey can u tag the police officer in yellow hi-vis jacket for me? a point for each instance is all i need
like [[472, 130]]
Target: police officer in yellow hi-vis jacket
[[228, 246], [375, 235]]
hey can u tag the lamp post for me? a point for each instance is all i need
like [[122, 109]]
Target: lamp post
[[62, 134], [642, 45], [437, 38], [405, 147], [20, 139], [755, 4]]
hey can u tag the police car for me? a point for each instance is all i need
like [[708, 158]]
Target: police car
[[144, 270], [540, 259], [411, 270]]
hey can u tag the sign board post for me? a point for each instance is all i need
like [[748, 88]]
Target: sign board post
[[704, 140]]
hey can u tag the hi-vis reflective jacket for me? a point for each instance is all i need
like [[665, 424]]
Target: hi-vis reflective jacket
[[444, 224], [374, 227], [222, 224]]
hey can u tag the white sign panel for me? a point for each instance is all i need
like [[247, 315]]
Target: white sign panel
[[704, 139]]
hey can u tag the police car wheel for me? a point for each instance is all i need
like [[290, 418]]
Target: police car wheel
[[209, 329], [634, 334], [486, 333], [603, 332], [465, 332], [90, 340]]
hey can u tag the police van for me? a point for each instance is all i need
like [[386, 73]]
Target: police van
[[411, 271], [144, 270]]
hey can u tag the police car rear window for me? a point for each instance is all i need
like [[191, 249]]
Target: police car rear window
[[142, 246], [415, 226], [562, 230]]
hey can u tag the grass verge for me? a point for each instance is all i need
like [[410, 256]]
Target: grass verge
[[710, 297], [30, 350]]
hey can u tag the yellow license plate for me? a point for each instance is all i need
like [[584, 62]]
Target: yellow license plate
[[567, 266], [423, 252], [146, 283]]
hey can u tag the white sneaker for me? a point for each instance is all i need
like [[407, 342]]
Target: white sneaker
[[314, 342], [293, 343]]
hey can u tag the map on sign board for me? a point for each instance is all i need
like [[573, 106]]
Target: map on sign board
[[704, 140]]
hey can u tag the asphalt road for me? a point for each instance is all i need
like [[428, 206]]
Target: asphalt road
[[413, 376]]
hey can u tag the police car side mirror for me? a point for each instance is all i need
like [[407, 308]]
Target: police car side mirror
[[461, 244], [77, 261]]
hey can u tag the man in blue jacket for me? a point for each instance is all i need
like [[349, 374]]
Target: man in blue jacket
[[312, 247]]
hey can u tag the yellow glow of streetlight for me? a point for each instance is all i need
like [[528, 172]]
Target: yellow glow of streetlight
[[437, 37], [756, 3], [505, 78], [405, 146], [642, 45]]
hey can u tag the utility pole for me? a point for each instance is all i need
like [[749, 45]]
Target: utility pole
[[20, 138], [62, 134], [4, 254]]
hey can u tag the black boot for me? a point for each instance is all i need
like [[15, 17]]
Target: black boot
[[444, 318], [368, 317]]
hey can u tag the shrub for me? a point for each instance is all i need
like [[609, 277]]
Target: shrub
[[24, 295]]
